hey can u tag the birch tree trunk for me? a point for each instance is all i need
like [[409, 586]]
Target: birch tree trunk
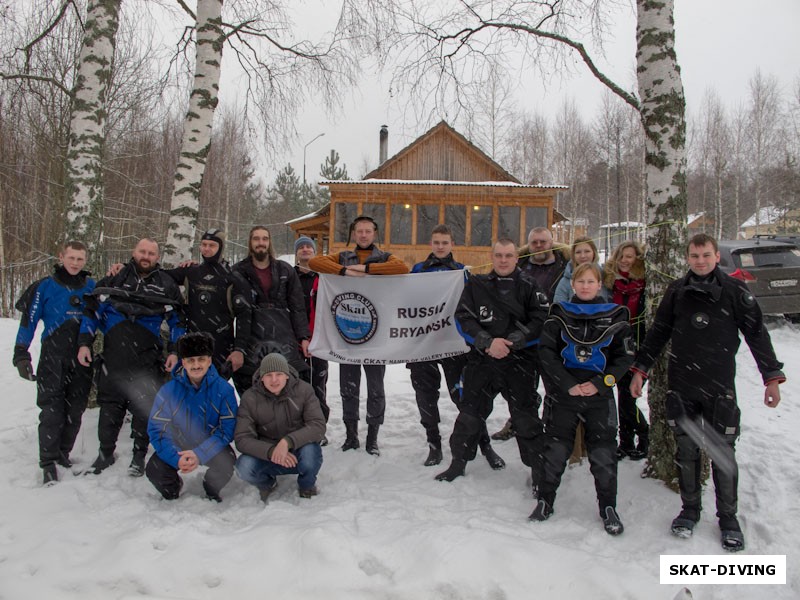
[[662, 111], [196, 139], [87, 127]]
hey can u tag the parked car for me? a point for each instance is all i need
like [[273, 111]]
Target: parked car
[[771, 270]]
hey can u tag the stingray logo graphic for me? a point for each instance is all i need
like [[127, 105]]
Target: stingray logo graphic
[[355, 317]]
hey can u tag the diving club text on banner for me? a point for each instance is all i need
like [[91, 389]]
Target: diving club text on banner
[[388, 319]]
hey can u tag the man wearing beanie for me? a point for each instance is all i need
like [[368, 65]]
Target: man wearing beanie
[[366, 260], [304, 250], [278, 430], [192, 423], [214, 299]]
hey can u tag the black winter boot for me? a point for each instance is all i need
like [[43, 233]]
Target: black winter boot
[[611, 521], [434, 455], [351, 439], [683, 524], [136, 468], [456, 469], [495, 460], [542, 511], [49, 475], [372, 440], [101, 463]]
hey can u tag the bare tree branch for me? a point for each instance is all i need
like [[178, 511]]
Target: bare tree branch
[[50, 80]]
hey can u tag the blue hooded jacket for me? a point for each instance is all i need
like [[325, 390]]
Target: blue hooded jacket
[[187, 418]]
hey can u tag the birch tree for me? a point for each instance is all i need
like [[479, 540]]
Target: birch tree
[[196, 138], [279, 76], [87, 126]]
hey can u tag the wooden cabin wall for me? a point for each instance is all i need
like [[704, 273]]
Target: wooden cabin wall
[[438, 159]]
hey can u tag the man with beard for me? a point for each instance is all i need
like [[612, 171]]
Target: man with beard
[[62, 384], [129, 309], [214, 298], [366, 260], [276, 320]]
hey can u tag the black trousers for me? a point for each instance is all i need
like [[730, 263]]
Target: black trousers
[[167, 480], [599, 417], [699, 420], [484, 378], [350, 385], [319, 381], [426, 379], [62, 386], [120, 391], [631, 420]]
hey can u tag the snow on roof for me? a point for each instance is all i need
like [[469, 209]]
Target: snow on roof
[[694, 217], [442, 182], [623, 224], [766, 216]]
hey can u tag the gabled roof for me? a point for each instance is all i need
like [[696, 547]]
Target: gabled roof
[[767, 215], [456, 140]]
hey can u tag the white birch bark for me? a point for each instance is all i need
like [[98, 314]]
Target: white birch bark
[[662, 111], [196, 138], [87, 126]]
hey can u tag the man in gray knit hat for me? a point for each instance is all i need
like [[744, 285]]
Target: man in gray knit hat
[[278, 430]]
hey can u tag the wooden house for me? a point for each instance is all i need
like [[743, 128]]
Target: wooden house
[[441, 177]]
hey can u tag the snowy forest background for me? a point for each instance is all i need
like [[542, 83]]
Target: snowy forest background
[[739, 158]]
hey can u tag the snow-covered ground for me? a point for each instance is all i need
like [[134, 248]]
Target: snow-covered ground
[[381, 528]]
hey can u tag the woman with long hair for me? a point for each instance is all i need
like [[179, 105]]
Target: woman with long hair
[[624, 277]]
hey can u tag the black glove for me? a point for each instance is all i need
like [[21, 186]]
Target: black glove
[[25, 369], [517, 339], [482, 341]]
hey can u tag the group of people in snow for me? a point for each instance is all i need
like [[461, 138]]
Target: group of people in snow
[[542, 312]]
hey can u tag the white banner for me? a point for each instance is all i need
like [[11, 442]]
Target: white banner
[[388, 319]]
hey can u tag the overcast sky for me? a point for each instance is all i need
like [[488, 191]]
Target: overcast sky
[[720, 44]]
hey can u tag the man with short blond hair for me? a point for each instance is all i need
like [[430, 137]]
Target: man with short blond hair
[[702, 315], [62, 383]]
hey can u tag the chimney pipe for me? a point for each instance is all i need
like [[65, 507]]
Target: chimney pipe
[[384, 144]]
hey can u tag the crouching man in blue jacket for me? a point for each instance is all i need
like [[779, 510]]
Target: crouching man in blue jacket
[[192, 423]]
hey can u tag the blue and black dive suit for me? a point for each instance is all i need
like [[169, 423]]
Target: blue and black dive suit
[[62, 383], [583, 342], [129, 309]]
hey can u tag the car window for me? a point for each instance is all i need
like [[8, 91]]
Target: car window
[[767, 257]]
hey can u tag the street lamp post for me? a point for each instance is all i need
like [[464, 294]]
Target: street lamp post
[[304, 155]]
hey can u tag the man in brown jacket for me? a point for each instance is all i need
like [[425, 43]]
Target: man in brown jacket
[[279, 428], [367, 259]]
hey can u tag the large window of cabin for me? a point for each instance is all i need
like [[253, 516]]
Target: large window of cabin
[[535, 216], [346, 212], [455, 217], [481, 225], [378, 214], [427, 219], [401, 223], [508, 223]]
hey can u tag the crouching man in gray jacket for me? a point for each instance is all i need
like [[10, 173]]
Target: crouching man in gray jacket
[[279, 428]]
